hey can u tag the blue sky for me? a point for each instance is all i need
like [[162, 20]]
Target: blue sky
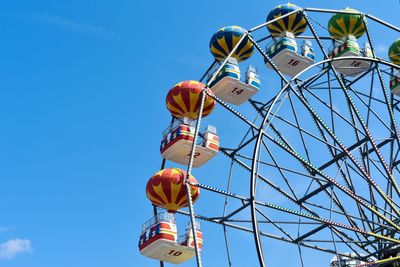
[[82, 89]]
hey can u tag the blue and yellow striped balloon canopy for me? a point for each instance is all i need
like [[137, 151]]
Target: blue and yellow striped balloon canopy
[[346, 24], [394, 52], [294, 23], [225, 39]]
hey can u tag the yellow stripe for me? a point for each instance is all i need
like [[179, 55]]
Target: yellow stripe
[[193, 98], [178, 99], [159, 191], [222, 43], [175, 188], [165, 231], [216, 51], [154, 200], [299, 25], [280, 22], [342, 25], [334, 31], [245, 48], [291, 21], [273, 27], [361, 27], [173, 109], [235, 40], [352, 24]]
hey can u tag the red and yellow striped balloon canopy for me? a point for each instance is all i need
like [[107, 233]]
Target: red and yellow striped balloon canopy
[[183, 100], [167, 189]]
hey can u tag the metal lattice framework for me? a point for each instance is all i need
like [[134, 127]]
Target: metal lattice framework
[[327, 147]]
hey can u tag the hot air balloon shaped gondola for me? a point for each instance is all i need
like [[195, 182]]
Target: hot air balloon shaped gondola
[[159, 240], [283, 49], [167, 189], [176, 144], [183, 101], [345, 29], [227, 84], [394, 56]]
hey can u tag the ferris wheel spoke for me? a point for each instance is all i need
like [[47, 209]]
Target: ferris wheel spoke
[[265, 180], [348, 241], [313, 78], [329, 222], [383, 84], [283, 169], [275, 225], [339, 212], [280, 170], [350, 156], [263, 234], [323, 188], [388, 171], [304, 131], [372, 202], [244, 144], [370, 111], [315, 192], [298, 127], [361, 211], [342, 174], [329, 179], [332, 109], [223, 220]]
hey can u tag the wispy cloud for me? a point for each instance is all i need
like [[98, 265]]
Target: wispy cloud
[[13, 247], [4, 229], [68, 24]]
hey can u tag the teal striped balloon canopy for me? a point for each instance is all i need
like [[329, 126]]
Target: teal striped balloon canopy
[[225, 39]]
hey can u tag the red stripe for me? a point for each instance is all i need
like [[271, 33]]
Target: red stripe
[[166, 188], [156, 237], [182, 137], [182, 195], [198, 102], [199, 245], [170, 99], [165, 178], [187, 90], [195, 196], [151, 192], [185, 94], [213, 146], [164, 226]]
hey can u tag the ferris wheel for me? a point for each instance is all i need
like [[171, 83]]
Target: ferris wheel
[[312, 164]]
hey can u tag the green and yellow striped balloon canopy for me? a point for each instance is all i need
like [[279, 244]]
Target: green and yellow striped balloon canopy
[[225, 39], [294, 23], [394, 52], [346, 24]]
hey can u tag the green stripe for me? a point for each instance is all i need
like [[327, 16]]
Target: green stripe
[[346, 20], [336, 26]]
